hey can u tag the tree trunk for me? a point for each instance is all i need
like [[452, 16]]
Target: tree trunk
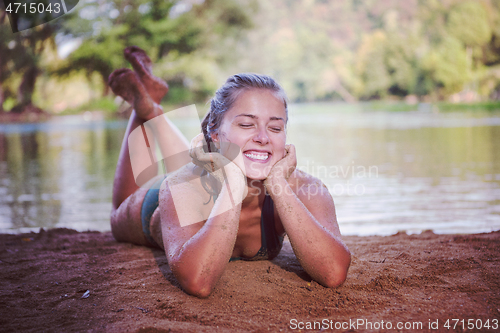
[[105, 90], [26, 89], [2, 18], [1, 88], [1, 99]]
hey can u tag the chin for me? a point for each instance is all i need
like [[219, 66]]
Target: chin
[[257, 173], [261, 178]]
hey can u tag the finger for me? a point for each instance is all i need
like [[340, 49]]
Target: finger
[[205, 157], [201, 154], [287, 152], [195, 145], [290, 150], [196, 140], [292, 159]]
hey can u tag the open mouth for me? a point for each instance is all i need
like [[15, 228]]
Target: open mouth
[[258, 156]]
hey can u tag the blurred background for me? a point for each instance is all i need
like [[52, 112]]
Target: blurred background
[[395, 105]]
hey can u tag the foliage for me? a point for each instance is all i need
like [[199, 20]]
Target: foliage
[[20, 62], [375, 49], [174, 29], [468, 22], [105, 104], [318, 50]]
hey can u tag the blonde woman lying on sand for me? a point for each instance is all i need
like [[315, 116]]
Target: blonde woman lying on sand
[[232, 194]]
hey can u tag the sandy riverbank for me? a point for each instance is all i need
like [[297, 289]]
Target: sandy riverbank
[[400, 278]]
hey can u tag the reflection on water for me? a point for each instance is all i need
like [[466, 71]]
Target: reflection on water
[[57, 174], [435, 171], [387, 171]]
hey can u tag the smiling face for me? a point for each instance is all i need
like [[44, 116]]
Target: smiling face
[[256, 123]]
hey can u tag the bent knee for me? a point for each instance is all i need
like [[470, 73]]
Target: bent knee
[[126, 225], [115, 225]]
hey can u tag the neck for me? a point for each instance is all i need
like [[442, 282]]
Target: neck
[[255, 190]]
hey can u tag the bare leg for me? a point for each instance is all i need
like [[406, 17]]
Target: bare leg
[[173, 145], [127, 195], [126, 222], [125, 83]]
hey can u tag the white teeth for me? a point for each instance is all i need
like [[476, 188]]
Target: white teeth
[[258, 157]]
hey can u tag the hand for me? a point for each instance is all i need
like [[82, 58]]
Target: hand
[[214, 163], [283, 168]]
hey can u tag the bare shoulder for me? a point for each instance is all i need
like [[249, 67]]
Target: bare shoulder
[[186, 174], [308, 187], [183, 198], [187, 179], [314, 194]]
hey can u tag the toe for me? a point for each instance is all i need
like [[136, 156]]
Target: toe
[[131, 49], [138, 59], [117, 74]]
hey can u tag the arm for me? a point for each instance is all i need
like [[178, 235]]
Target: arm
[[310, 222], [198, 252]]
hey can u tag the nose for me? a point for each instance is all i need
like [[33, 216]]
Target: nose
[[261, 137]]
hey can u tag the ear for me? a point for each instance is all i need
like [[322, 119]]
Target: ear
[[215, 139]]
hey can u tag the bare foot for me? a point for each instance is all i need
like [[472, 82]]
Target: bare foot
[[156, 87], [125, 83]]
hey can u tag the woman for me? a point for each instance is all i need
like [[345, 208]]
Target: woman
[[225, 203]]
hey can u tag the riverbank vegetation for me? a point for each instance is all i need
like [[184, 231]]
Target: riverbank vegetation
[[415, 51]]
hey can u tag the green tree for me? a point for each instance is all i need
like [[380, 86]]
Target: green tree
[[446, 65], [164, 28], [468, 22], [492, 49], [371, 67], [20, 57], [5, 56]]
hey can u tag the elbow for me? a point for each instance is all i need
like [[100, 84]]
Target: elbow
[[335, 279], [192, 283], [195, 288], [338, 274]]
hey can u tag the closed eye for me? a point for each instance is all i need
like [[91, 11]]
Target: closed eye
[[276, 129], [245, 125]]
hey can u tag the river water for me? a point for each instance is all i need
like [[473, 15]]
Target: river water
[[387, 171]]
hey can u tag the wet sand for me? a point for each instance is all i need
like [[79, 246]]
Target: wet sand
[[62, 280]]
